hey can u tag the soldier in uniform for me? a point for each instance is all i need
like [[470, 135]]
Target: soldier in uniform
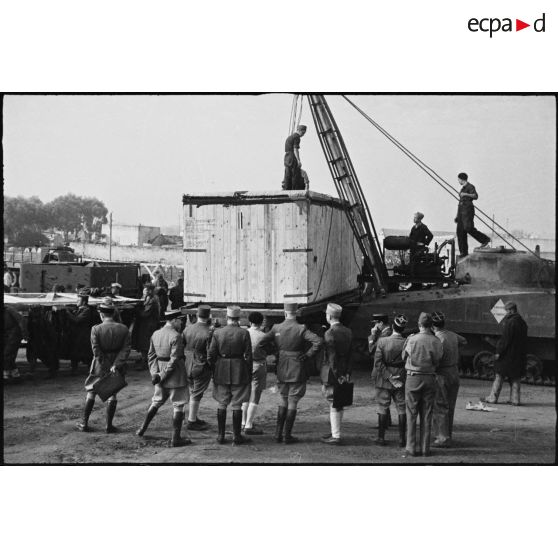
[[197, 338], [176, 294], [147, 321], [259, 374], [389, 371], [230, 354], [82, 321], [380, 328], [110, 342], [168, 375], [447, 377], [422, 353], [290, 338], [336, 368]]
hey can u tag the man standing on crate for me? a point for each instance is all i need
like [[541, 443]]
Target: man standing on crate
[[197, 338], [110, 342], [168, 375], [230, 355], [448, 380], [336, 368], [389, 372], [290, 338], [293, 178]]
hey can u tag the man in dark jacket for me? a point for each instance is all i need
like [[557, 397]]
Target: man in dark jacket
[[511, 353], [168, 375], [197, 338], [147, 321], [465, 217], [81, 319], [293, 178], [291, 339], [230, 354], [420, 235], [110, 342], [176, 294], [336, 368]]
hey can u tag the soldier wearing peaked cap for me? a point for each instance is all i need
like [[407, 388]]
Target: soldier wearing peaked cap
[[380, 328], [290, 338], [110, 343], [336, 368], [447, 377], [230, 354], [168, 375], [197, 338], [82, 320], [389, 374]]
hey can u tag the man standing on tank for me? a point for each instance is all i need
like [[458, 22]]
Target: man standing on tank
[[511, 354], [293, 178], [466, 216]]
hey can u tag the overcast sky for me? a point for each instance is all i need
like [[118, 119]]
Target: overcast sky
[[139, 154]]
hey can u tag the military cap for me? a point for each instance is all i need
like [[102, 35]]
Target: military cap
[[173, 314], [419, 215], [380, 318], [438, 317], [400, 320], [118, 285], [107, 305], [290, 306], [204, 311], [334, 310], [233, 311], [510, 306], [425, 319]]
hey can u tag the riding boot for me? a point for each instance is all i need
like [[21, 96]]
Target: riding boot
[[176, 440], [496, 389], [238, 438], [281, 416], [152, 411], [84, 424], [402, 431], [388, 418], [111, 409], [221, 422], [382, 423], [289, 423]]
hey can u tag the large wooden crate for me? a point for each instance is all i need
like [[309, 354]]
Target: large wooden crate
[[267, 248]]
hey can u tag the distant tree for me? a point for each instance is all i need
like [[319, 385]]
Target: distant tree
[[24, 217], [73, 214], [30, 238]]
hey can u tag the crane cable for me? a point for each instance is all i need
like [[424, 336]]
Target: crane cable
[[296, 113], [453, 192]]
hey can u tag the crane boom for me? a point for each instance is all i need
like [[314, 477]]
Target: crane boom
[[349, 190]]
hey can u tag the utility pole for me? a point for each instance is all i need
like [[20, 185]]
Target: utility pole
[[110, 236]]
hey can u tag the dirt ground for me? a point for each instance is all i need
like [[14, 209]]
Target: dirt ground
[[40, 415]]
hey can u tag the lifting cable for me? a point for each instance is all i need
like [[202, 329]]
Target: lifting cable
[[453, 192], [296, 113]]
